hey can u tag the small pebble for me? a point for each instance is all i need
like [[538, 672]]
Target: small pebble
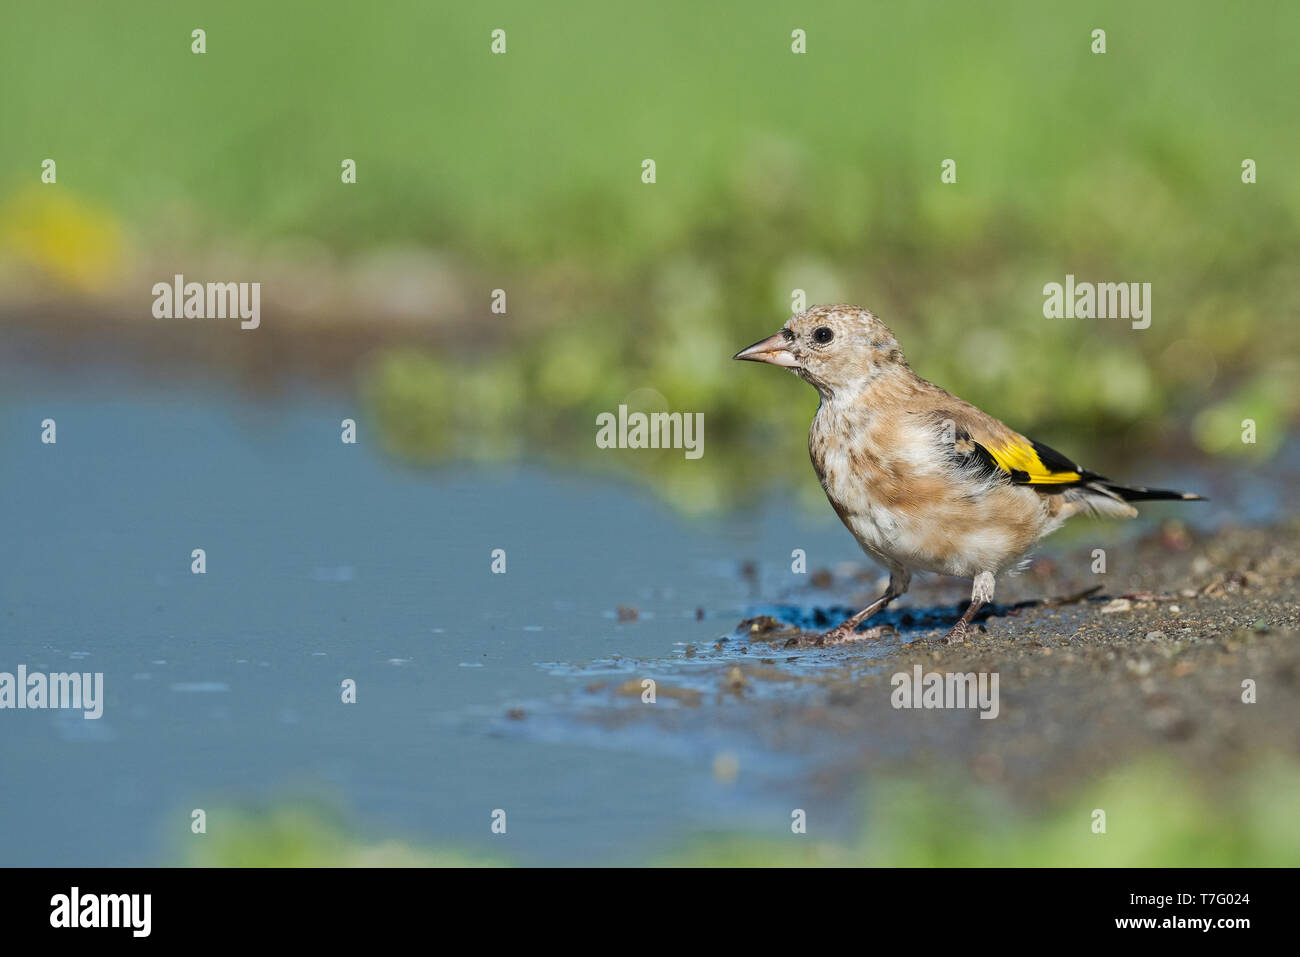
[[735, 681], [726, 767]]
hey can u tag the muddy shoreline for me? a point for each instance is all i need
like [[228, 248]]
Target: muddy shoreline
[[1151, 663]]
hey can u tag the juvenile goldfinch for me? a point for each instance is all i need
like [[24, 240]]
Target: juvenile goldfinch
[[923, 480]]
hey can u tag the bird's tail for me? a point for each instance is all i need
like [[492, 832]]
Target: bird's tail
[[1150, 494]]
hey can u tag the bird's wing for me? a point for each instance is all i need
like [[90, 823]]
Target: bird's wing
[[1027, 462], [982, 443]]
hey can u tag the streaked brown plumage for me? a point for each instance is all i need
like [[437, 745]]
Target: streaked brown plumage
[[924, 480]]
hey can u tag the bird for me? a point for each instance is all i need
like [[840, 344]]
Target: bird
[[924, 480]]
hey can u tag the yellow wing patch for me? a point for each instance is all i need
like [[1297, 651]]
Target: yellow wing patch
[[1022, 457]]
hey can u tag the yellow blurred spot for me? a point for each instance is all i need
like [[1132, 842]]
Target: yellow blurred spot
[[69, 238]]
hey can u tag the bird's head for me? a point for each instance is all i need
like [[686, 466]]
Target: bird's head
[[838, 349]]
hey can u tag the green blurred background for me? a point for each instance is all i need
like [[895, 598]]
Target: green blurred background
[[775, 171]]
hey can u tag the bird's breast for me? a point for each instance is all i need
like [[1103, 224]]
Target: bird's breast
[[905, 505]]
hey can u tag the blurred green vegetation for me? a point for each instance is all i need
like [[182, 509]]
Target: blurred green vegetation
[[775, 171], [305, 836], [1155, 816]]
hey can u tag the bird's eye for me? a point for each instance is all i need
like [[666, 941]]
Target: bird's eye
[[823, 335]]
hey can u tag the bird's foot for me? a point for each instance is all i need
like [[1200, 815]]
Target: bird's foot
[[960, 632], [843, 633]]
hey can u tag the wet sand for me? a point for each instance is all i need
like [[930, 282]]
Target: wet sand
[[1151, 662]]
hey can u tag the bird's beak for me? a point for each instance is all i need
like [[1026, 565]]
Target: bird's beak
[[774, 349]]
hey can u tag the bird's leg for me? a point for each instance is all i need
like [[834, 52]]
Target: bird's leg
[[981, 593], [842, 631], [898, 582], [962, 628]]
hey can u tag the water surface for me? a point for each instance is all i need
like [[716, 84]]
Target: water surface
[[326, 561]]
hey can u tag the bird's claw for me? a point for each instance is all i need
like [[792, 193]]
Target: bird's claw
[[959, 633], [840, 635]]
